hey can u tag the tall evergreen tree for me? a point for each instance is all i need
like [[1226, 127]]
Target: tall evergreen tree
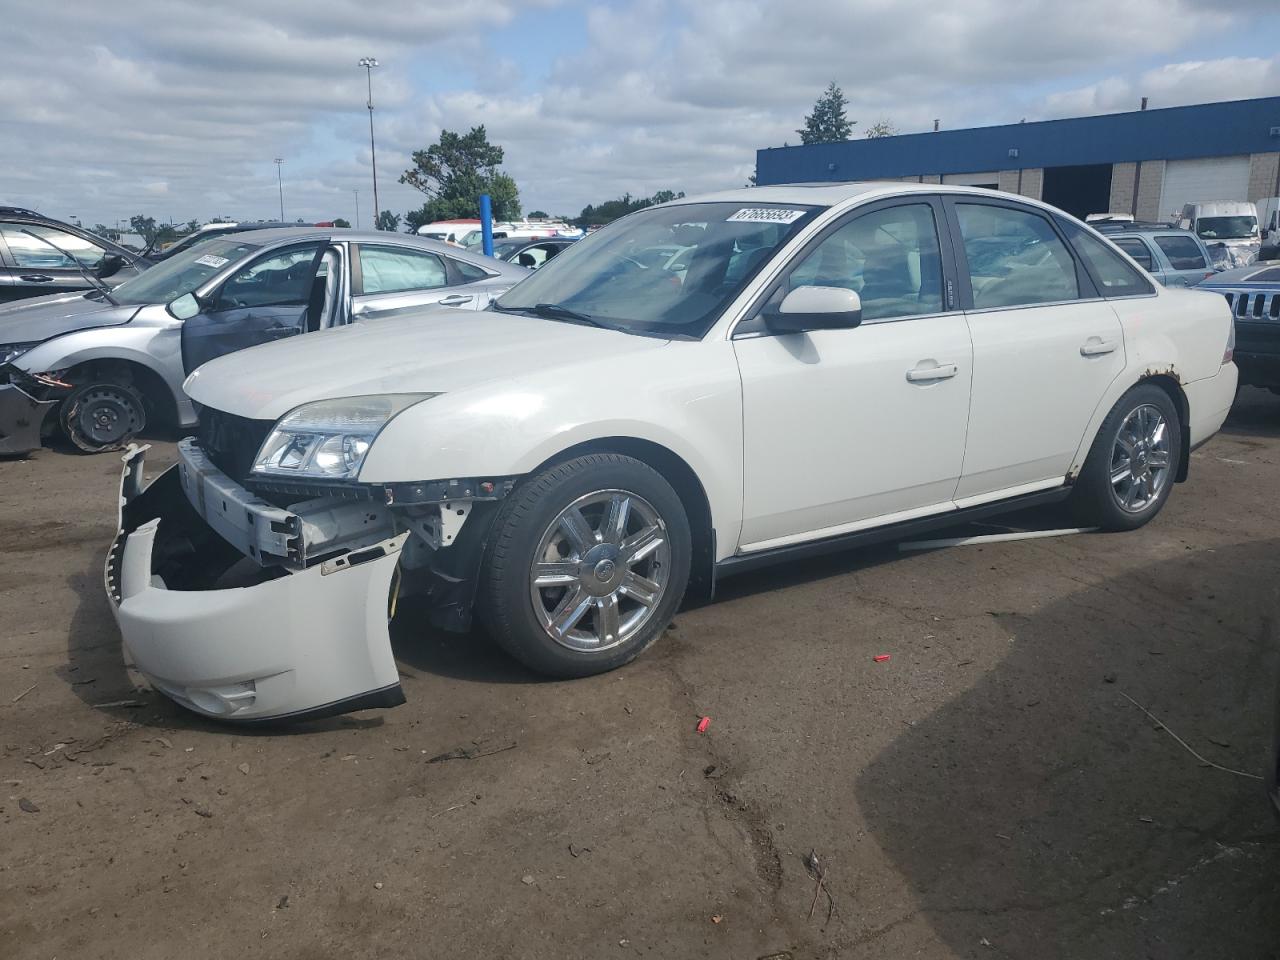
[[827, 123]]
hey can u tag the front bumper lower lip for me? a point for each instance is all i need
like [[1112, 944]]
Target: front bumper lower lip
[[303, 645], [22, 419]]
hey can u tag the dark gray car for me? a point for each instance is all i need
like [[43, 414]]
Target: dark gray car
[[99, 365], [40, 256]]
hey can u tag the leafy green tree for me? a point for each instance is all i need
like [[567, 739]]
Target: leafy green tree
[[193, 226], [881, 128], [339, 222], [455, 171], [101, 230], [145, 227], [595, 215], [827, 123], [388, 221], [538, 215]]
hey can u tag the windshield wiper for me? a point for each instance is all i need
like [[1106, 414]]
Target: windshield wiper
[[554, 311]]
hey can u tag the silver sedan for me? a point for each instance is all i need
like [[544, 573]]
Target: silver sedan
[[100, 365]]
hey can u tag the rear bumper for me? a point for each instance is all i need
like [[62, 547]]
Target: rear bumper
[[22, 419], [1209, 401], [291, 646]]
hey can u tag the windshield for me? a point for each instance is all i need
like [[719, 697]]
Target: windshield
[[668, 271], [181, 273], [1227, 228]]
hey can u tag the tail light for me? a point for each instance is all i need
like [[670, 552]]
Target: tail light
[[1230, 352]]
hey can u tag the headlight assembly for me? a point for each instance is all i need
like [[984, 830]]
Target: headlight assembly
[[328, 439], [12, 351]]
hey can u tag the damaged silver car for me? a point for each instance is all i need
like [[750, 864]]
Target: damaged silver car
[[100, 366]]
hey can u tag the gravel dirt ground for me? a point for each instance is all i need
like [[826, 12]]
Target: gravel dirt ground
[[986, 792]]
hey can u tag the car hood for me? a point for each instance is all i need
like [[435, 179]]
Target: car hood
[[41, 318], [437, 350]]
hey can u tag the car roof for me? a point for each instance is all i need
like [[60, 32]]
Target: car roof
[[1148, 231]]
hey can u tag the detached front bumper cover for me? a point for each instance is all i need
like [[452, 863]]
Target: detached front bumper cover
[[298, 645]]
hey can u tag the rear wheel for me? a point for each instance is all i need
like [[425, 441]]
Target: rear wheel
[[1130, 469], [587, 563], [102, 416]]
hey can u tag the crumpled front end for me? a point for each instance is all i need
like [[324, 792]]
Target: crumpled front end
[[27, 401], [212, 627]]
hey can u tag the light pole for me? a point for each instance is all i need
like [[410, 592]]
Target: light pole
[[369, 63], [280, 186]]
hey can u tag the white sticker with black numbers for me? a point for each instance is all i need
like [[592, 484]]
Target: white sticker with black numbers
[[765, 215], [210, 260]]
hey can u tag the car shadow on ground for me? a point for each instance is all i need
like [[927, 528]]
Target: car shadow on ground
[[1014, 811], [1255, 413]]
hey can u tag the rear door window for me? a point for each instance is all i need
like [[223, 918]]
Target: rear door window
[[1136, 249], [1015, 257], [393, 270], [1183, 252]]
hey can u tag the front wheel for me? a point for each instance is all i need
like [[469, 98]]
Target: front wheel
[[102, 416], [586, 565], [1130, 469]]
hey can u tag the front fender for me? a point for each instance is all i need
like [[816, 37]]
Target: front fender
[[689, 403]]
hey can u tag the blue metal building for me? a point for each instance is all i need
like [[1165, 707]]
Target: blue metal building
[[1146, 163]]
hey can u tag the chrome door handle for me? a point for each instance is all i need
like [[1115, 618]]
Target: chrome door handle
[[454, 301], [1096, 347], [939, 371], [35, 278]]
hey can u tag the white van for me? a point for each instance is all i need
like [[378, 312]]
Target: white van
[[1229, 228]]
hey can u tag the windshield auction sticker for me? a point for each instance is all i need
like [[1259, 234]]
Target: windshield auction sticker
[[209, 260], [766, 215]]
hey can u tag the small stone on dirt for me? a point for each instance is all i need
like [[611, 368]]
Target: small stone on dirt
[[204, 812], [377, 885], [243, 768], [527, 878], [282, 902], [26, 806]]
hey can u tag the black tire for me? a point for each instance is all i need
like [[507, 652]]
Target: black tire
[[1095, 502], [505, 604], [101, 416]]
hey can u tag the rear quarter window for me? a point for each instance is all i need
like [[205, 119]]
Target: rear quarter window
[[1110, 271]]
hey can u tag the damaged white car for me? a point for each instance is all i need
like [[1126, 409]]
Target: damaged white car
[[815, 367]]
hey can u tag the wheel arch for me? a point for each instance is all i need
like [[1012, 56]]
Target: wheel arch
[[688, 486], [1171, 384], [155, 390], [1165, 377]]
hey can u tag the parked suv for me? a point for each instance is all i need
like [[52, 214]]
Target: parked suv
[[1253, 293], [817, 366], [57, 257], [1177, 258]]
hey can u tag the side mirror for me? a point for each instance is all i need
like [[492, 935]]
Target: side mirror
[[108, 266], [816, 308], [185, 307]]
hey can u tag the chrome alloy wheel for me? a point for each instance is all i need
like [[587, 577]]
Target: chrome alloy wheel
[[1140, 459], [600, 571]]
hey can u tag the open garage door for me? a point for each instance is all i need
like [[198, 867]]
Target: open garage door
[[1079, 190], [1193, 181]]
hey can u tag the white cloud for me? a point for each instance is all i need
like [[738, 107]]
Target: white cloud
[[175, 108]]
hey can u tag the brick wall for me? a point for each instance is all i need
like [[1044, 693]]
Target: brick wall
[[1151, 183], [1262, 175], [1122, 176]]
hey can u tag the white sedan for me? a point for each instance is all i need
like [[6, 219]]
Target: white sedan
[[818, 367]]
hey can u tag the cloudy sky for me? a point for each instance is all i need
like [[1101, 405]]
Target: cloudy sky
[[176, 109]]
